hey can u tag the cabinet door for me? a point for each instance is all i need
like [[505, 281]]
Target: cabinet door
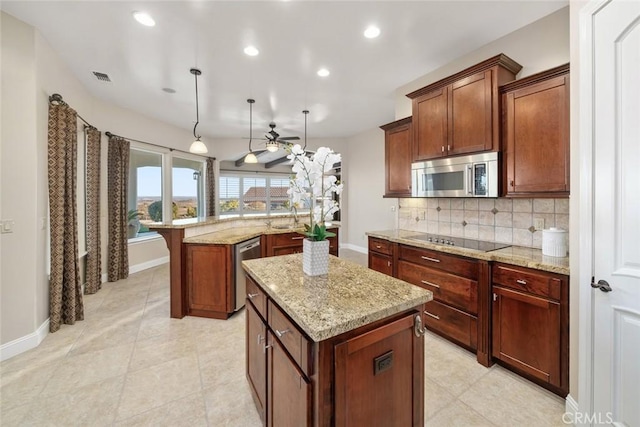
[[381, 263], [286, 250], [430, 125], [537, 138], [289, 391], [257, 359], [526, 333], [471, 114], [208, 279], [398, 158], [375, 374]]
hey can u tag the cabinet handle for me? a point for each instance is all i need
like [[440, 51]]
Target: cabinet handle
[[378, 246], [252, 296], [443, 148], [495, 297], [297, 238], [281, 333], [430, 259], [448, 148], [430, 284], [266, 347], [418, 329], [511, 183], [432, 315], [521, 282], [260, 338], [388, 263]]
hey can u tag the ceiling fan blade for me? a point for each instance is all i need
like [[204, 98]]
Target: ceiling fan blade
[[289, 138]]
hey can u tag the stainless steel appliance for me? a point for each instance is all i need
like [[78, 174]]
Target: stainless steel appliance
[[479, 245], [249, 249], [475, 175]]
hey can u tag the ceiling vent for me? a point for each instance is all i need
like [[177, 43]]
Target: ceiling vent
[[103, 77]]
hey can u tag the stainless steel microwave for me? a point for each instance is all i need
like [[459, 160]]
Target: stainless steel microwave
[[475, 175]]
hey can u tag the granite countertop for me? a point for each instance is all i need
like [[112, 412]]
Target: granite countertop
[[515, 255], [196, 222], [231, 236], [348, 297]]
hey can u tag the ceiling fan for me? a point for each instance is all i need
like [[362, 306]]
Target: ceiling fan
[[274, 140]]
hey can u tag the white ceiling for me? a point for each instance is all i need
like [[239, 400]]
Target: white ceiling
[[295, 39]]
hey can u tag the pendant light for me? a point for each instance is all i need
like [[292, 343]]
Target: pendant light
[[306, 113], [250, 158], [197, 146], [272, 145]]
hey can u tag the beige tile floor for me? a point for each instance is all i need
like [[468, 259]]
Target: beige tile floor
[[129, 364]]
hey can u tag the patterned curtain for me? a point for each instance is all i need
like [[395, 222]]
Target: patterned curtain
[[94, 270], [65, 289], [117, 186], [211, 186]]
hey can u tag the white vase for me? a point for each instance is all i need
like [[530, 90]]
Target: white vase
[[315, 257]]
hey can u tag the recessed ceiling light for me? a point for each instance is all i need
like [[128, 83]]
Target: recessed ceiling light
[[169, 90], [323, 72], [251, 50], [144, 18], [372, 32]]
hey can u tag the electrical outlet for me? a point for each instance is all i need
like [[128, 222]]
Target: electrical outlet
[[538, 223], [393, 208], [7, 226]]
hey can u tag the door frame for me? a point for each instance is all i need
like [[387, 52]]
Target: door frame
[[584, 227]]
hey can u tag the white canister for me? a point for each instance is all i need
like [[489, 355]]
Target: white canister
[[554, 242]]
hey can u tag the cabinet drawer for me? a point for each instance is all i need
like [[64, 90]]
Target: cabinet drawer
[[446, 287], [526, 280], [286, 239], [291, 338], [381, 246], [453, 323], [434, 259], [257, 297]]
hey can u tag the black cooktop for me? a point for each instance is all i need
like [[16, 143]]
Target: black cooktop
[[478, 245]]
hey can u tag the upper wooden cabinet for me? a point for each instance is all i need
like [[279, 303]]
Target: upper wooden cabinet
[[536, 134], [398, 157], [460, 114]]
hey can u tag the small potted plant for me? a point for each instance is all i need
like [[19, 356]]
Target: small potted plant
[[133, 223]]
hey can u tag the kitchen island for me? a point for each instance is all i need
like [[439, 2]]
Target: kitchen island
[[341, 349]]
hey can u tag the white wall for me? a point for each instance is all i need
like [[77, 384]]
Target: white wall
[[538, 46], [364, 187]]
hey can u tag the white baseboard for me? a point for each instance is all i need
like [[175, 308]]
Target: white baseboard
[[571, 407], [142, 266], [149, 264], [25, 343], [355, 248]]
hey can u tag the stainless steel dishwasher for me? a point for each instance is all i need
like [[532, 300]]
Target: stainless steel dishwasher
[[249, 249]]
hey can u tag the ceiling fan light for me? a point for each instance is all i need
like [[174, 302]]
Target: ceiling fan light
[[272, 146], [251, 158], [198, 147]]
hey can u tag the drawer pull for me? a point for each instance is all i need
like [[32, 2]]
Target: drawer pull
[[266, 347], [281, 333], [432, 315], [430, 259], [430, 284], [521, 282], [252, 296], [260, 338], [297, 238], [378, 246]]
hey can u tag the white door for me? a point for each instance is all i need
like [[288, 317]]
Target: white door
[[616, 127]]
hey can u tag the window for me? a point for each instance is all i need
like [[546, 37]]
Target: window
[[253, 194], [150, 188]]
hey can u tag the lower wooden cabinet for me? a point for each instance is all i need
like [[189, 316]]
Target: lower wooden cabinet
[[381, 256], [530, 324], [256, 339], [291, 243], [209, 281]]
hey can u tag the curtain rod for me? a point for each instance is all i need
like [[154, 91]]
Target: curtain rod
[[56, 97]]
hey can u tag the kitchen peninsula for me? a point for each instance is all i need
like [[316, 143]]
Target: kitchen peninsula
[[340, 349], [210, 241]]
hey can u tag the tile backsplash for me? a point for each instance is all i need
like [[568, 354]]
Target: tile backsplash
[[496, 220]]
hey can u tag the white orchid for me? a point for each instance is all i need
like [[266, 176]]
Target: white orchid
[[311, 184]]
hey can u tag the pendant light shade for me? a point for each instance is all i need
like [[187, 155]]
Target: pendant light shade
[[250, 158], [197, 146]]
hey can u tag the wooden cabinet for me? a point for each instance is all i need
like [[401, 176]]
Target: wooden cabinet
[[381, 256], [536, 134], [458, 285], [530, 324], [373, 375], [209, 281], [398, 137], [291, 243], [460, 114]]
